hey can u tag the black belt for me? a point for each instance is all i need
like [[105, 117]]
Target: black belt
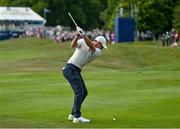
[[75, 67]]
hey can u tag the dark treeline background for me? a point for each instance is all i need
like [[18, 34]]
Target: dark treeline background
[[155, 15]]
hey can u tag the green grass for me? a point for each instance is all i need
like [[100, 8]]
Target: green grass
[[138, 83]]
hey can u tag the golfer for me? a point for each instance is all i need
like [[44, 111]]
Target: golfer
[[86, 51]]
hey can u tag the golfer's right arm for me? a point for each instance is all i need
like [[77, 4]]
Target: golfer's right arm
[[74, 41]]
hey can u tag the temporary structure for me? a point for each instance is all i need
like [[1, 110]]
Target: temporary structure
[[14, 21], [20, 14]]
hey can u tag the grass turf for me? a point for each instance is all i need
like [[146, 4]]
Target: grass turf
[[138, 83]]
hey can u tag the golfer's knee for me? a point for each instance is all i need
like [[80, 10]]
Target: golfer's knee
[[85, 93], [81, 94]]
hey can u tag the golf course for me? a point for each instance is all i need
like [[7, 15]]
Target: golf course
[[132, 85]]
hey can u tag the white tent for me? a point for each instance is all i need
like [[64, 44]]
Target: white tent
[[20, 14]]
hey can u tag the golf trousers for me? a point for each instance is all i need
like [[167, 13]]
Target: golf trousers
[[73, 74]]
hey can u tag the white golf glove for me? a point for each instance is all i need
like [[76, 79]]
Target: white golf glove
[[79, 31]]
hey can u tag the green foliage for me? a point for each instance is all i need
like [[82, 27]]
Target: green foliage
[[176, 17], [155, 15], [37, 5], [108, 15], [3, 2], [86, 12]]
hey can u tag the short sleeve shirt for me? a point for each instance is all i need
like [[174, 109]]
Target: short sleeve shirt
[[83, 54]]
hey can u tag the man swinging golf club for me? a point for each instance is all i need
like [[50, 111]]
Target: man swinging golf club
[[86, 51]]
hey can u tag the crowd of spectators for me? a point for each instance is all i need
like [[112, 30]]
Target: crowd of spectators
[[144, 35], [170, 38], [61, 34]]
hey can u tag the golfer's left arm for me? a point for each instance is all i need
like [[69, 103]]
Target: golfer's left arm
[[89, 43], [86, 39]]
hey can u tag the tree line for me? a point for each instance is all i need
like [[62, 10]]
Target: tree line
[[154, 15]]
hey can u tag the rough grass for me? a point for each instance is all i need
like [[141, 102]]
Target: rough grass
[[138, 83]]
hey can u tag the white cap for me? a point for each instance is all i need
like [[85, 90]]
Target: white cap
[[102, 40]]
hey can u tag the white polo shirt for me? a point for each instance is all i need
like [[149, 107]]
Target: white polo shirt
[[83, 54]]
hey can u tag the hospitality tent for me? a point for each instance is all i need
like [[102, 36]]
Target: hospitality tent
[[17, 18], [20, 14]]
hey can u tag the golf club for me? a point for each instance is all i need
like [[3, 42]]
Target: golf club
[[72, 19], [74, 22]]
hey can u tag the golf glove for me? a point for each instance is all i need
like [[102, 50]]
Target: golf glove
[[79, 31]]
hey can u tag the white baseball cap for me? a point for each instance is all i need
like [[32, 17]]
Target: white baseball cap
[[102, 40]]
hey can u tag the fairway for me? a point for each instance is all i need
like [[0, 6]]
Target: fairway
[[137, 83]]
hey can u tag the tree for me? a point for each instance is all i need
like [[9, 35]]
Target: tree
[[155, 15], [37, 5], [108, 15], [85, 12], [176, 17], [2, 2]]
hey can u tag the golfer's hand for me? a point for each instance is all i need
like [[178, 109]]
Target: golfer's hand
[[79, 31]]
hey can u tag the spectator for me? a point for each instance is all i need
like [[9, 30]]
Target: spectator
[[163, 39], [167, 38]]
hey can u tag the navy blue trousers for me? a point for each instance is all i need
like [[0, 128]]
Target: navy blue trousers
[[73, 74]]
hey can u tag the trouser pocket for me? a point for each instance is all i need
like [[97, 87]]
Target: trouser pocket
[[67, 72]]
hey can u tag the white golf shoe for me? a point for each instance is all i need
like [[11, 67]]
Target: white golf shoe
[[70, 117], [81, 120]]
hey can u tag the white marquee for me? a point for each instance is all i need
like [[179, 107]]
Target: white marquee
[[20, 14]]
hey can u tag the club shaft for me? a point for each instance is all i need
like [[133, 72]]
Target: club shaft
[[72, 19]]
